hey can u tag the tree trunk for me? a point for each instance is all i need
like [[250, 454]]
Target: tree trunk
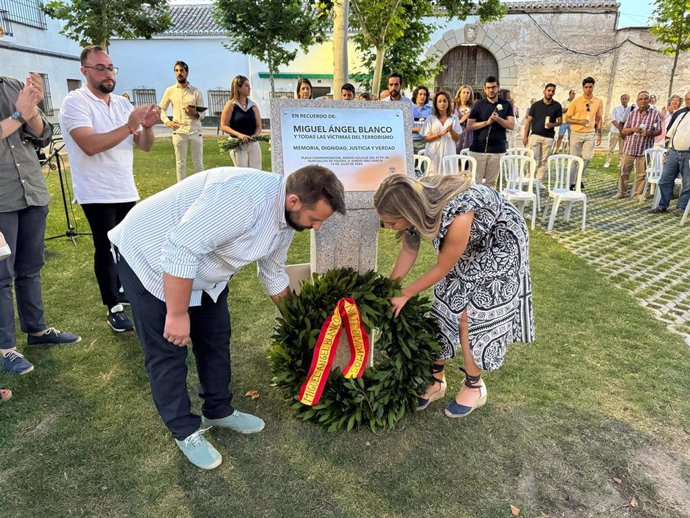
[[378, 70], [105, 33], [340, 64], [270, 75], [673, 70]]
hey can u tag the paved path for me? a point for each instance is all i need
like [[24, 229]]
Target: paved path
[[647, 254]]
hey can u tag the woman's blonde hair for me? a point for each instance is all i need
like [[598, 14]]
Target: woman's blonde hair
[[458, 102], [419, 202], [237, 82]]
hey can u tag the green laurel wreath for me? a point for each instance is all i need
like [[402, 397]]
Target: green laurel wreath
[[403, 351], [233, 143]]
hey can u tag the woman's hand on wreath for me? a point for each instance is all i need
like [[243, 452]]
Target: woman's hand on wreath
[[244, 138], [397, 303]]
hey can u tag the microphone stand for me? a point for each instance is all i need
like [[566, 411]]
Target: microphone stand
[[71, 232]]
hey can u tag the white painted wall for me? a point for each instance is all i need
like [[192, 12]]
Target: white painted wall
[[18, 64], [149, 64]]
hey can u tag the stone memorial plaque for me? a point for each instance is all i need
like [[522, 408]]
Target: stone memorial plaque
[[362, 143]]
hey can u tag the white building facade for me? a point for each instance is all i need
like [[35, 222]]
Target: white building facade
[[146, 66], [31, 42]]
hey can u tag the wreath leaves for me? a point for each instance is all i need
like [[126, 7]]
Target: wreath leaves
[[403, 351]]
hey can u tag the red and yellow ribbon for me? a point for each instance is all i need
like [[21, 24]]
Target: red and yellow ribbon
[[324, 351]]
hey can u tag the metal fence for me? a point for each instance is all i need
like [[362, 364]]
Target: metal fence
[[46, 104], [5, 24], [216, 100], [142, 96], [24, 12]]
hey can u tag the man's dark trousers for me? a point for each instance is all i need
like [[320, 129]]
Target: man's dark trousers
[[166, 363], [24, 231]]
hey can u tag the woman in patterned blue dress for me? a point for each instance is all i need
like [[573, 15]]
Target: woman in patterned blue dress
[[482, 287]]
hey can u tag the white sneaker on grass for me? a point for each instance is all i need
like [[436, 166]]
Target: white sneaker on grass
[[199, 451], [237, 421]]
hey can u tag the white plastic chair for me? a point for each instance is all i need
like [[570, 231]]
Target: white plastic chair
[[423, 163], [456, 164], [538, 185], [516, 182], [654, 165], [520, 151], [559, 167], [465, 151], [660, 165]]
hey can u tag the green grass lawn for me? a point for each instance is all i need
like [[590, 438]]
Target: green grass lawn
[[593, 415]]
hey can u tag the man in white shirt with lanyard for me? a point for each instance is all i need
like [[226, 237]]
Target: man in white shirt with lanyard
[[677, 161], [186, 121], [618, 116], [100, 130], [177, 251]]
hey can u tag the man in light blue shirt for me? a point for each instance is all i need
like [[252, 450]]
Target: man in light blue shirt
[[178, 249], [421, 111]]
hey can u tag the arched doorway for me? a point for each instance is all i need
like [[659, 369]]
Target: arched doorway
[[466, 64]]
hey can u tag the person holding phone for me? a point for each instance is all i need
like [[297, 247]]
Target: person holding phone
[[188, 107]]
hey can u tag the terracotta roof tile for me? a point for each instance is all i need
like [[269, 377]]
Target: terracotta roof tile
[[193, 20], [563, 5]]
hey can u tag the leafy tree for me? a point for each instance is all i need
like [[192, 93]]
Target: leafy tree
[[406, 55], [92, 22], [671, 26], [384, 22], [262, 28]]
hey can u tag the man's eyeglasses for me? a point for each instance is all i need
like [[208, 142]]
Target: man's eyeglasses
[[102, 68], [587, 106]]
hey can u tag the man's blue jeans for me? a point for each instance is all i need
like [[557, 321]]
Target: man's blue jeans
[[24, 231], [677, 162]]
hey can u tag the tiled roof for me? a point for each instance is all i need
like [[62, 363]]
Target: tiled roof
[[563, 5], [196, 19], [193, 20]]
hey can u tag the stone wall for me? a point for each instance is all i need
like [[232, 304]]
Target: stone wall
[[563, 48]]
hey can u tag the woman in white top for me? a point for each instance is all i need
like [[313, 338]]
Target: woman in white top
[[241, 119], [440, 132]]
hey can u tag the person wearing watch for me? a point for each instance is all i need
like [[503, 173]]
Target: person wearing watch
[[100, 131], [24, 202]]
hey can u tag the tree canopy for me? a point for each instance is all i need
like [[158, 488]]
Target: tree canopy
[[382, 23], [264, 28], [95, 22], [671, 26]]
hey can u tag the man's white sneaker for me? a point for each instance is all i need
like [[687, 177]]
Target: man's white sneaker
[[199, 451]]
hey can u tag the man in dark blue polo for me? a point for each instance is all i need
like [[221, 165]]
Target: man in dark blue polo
[[489, 120]]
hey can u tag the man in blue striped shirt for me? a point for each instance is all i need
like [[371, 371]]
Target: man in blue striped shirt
[[179, 248]]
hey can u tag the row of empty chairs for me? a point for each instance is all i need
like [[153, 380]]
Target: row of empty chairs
[[518, 183]]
